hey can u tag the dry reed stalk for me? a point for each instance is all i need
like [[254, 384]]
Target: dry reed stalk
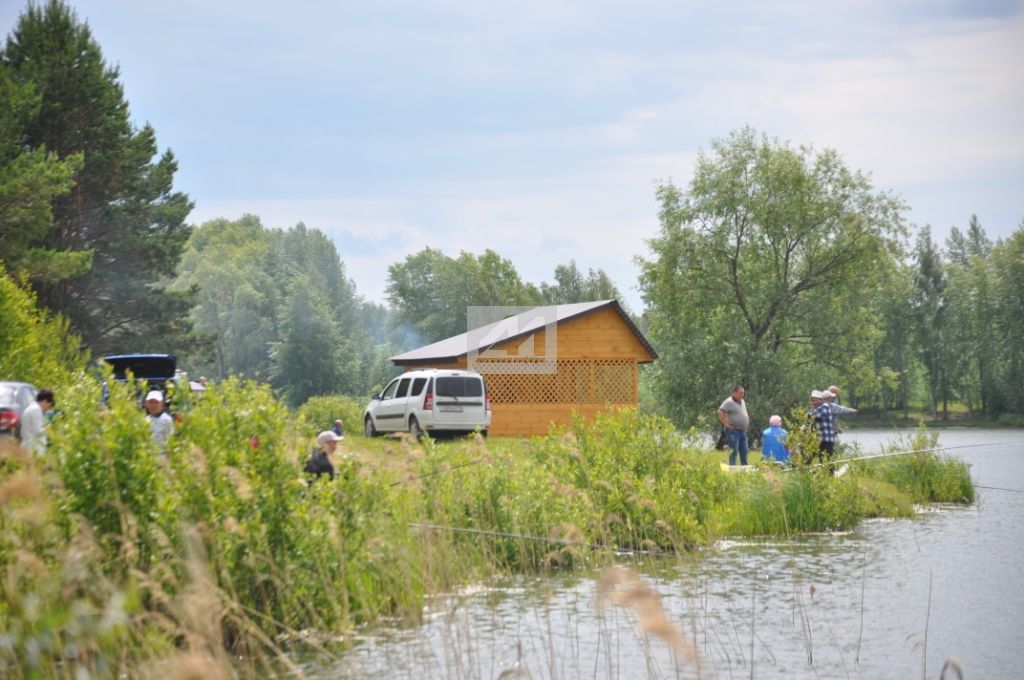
[[10, 449], [23, 485], [927, 620], [952, 664], [622, 587]]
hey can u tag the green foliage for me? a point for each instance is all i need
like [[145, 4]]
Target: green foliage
[[431, 291], [882, 499], [926, 477], [1008, 319], [303, 555], [648, 489], [505, 495], [783, 504], [30, 180], [58, 609], [37, 347], [319, 413], [759, 273], [278, 307], [571, 286], [110, 468], [930, 311]]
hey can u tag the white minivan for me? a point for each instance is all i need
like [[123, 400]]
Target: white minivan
[[430, 400]]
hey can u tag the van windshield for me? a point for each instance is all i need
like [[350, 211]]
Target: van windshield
[[459, 387]]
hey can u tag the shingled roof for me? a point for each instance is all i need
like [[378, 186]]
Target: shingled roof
[[520, 326]]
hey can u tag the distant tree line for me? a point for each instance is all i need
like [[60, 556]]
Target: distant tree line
[[276, 306], [777, 267]]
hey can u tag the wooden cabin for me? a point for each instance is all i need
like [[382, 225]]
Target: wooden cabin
[[543, 365]]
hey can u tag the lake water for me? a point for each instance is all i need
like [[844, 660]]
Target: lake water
[[892, 599]]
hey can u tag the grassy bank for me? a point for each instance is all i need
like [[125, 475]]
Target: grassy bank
[[221, 558]]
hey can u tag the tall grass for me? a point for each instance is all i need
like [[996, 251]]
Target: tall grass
[[927, 476], [118, 560]]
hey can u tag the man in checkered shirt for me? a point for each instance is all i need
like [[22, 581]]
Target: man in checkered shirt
[[825, 415]]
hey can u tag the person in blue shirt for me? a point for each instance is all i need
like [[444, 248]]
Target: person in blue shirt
[[773, 446]]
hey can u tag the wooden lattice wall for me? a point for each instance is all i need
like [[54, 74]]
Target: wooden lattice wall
[[575, 381]]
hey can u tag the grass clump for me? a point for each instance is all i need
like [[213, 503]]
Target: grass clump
[[926, 475], [780, 503]]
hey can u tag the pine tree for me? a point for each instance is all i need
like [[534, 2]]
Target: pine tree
[[30, 179], [122, 206]]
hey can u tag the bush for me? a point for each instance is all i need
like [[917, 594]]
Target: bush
[[645, 486], [110, 468], [319, 413], [37, 347], [927, 476], [781, 504]]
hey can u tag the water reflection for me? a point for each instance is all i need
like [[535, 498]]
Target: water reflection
[[893, 599]]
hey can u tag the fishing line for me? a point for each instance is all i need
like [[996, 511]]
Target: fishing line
[[448, 469], [854, 459], [998, 488], [540, 539]]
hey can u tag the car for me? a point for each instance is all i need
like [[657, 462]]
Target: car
[[430, 400], [15, 397], [159, 371]]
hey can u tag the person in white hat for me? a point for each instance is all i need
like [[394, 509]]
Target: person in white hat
[[159, 420], [320, 462]]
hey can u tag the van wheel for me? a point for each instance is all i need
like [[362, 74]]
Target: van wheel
[[414, 428], [368, 429]]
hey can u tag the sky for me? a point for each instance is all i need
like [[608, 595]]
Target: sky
[[541, 129]]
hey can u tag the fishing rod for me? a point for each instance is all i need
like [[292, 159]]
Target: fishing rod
[[445, 470], [998, 488], [854, 459]]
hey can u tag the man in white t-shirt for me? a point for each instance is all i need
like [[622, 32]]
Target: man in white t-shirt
[[159, 419], [33, 423]]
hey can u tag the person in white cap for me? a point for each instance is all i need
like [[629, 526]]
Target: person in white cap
[[320, 462], [829, 396], [159, 420]]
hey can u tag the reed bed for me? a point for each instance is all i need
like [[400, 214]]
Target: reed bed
[[219, 559]]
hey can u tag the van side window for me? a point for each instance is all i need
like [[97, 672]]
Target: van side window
[[417, 387], [403, 388], [389, 391]]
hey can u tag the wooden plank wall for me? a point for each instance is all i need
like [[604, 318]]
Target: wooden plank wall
[[600, 335], [518, 420]]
